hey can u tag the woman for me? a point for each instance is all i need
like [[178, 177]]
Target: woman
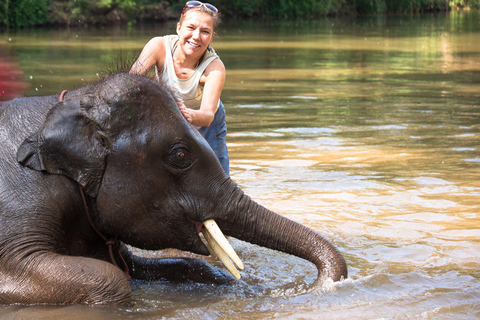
[[188, 64]]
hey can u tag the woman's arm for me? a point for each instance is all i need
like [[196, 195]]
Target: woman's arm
[[213, 80], [152, 54]]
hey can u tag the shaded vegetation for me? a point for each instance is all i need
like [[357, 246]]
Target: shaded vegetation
[[26, 13]]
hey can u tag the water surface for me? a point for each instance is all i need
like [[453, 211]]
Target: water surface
[[365, 130]]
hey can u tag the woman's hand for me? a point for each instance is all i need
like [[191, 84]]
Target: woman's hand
[[199, 118], [188, 113]]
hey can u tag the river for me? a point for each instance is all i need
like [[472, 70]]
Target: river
[[366, 130]]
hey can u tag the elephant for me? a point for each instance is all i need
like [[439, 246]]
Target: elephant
[[111, 164]]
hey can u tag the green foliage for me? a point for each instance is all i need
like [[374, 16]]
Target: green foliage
[[280, 8], [315, 8], [23, 13], [464, 3], [305, 8], [124, 4], [370, 6], [405, 6], [74, 12]]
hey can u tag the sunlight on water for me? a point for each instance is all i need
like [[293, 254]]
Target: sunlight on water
[[365, 131]]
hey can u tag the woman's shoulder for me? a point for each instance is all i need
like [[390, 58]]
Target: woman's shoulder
[[217, 64], [213, 59], [170, 40], [157, 40], [170, 37], [155, 47], [215, 70]]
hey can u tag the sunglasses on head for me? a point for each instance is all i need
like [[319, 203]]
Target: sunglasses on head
[[193, 4]]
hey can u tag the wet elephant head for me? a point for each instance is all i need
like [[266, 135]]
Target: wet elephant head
[[153, 178]]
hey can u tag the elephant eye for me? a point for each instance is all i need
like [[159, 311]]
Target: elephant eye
[[181, 154], [180, 157]]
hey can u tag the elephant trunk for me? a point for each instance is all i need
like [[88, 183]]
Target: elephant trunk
[[258, 225]]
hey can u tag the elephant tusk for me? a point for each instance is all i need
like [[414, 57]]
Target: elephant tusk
[[220, 246], [218, 236], [215, 248]]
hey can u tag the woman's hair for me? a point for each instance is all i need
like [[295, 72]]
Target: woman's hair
[[215, 15]]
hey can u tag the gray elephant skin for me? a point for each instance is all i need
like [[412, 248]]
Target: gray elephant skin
[[149, 180]]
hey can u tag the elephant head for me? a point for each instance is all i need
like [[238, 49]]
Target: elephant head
[[153, 178]]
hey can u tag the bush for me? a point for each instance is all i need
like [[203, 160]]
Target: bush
[[405, 6], [23, 13], [90, 11], [280, 8]]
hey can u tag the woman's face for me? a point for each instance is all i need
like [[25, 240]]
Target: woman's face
[[195, 32]]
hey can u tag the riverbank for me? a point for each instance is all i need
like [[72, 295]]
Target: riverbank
[[66, 15], [29, 13]]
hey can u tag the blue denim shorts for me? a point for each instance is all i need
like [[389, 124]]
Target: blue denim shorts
[[216, 136]]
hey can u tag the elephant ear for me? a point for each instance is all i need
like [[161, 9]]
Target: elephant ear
[[69, 143]]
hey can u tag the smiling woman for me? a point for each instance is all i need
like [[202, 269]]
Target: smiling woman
[[190, 67]]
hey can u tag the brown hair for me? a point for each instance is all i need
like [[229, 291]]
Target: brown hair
[[215, 15]]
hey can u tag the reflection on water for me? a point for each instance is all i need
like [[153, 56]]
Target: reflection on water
[[367, 131]]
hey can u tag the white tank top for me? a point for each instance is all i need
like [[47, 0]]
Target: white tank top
[[189, 89]]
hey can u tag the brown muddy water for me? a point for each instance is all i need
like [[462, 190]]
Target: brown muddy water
[[365, 130]]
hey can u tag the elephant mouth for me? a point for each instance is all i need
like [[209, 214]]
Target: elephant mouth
[[218, 246]]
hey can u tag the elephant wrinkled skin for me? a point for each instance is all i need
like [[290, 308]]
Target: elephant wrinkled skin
[[150, 181]]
